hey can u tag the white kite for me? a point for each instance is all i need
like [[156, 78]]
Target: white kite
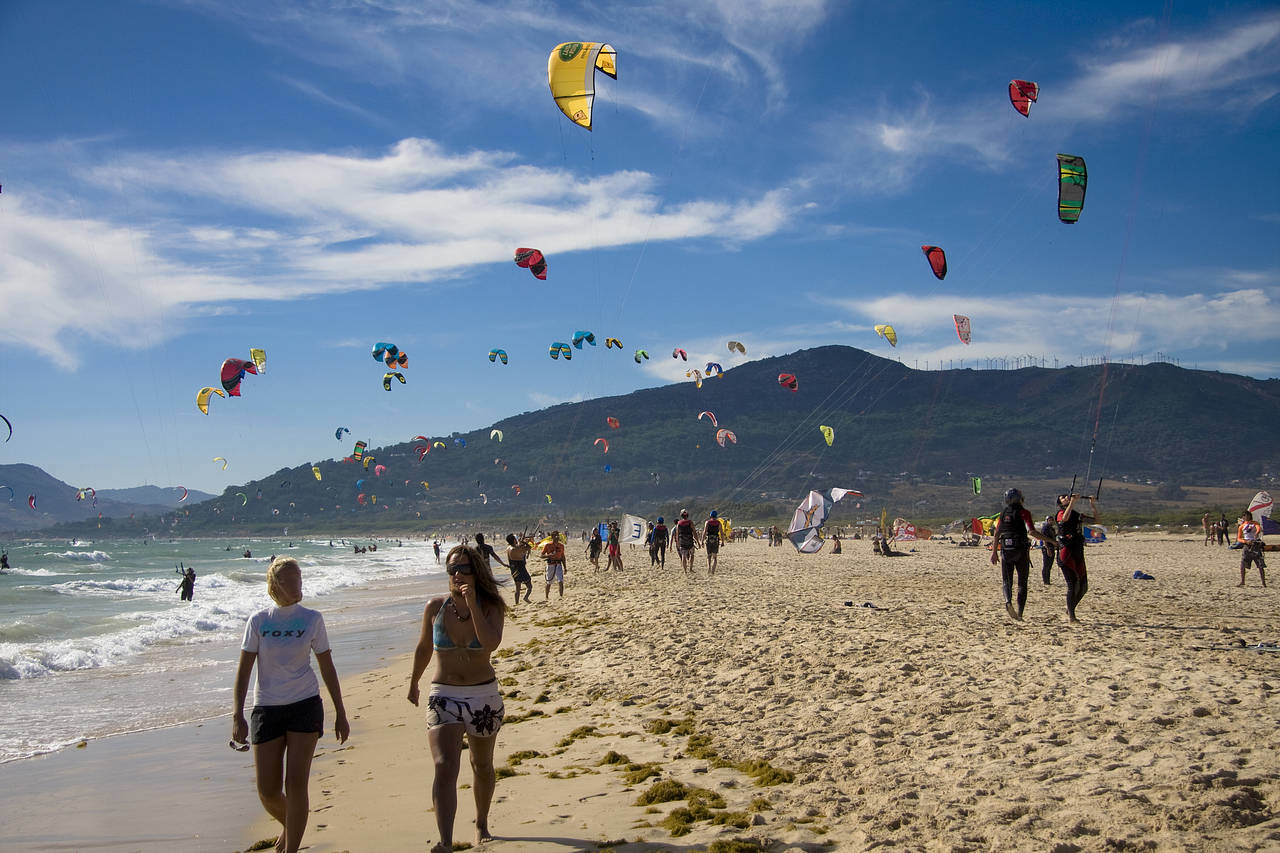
[[806, 525]]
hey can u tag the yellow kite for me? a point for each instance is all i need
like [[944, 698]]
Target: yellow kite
[[202, 397], [571, 74]]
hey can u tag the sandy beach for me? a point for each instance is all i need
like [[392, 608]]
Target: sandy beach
[[928, 721]]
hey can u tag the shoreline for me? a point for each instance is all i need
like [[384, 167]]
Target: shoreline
[[929, 721]]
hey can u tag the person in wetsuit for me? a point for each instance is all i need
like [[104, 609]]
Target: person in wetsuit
[[187, 584], [660, 537], [594, 546], [686, 541], [462, 630], [1071, 549], [711, 531], [1012, 547], [1048, 532]]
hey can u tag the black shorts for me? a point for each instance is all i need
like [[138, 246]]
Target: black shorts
[[519, 572], [268, 722]]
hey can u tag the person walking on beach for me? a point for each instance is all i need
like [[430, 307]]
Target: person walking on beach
[[1048, 533], [1208, 529], [653, 549], [1223, 526], [1251, 554], [436, 547], [288, 715], [553, 553], [615, 549], [660, 538], [461, 630], [711, 530], [686, 541], [1012, 547], [487, 552], [517, 562], [1071, 549], [594, 546]]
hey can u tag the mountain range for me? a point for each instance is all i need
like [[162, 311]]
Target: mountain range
[[56, 501], [1152, 424]]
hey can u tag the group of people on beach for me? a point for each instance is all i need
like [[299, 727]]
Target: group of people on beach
[[460, 631], [1062, 539], [685, 538], [1063, 533], [1214, 531]]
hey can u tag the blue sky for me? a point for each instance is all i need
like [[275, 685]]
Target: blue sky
[[185, 180]]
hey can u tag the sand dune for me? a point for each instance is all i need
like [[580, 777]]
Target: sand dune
[[929, 721]]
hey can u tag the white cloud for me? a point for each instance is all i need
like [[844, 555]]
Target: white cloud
[[1197, 326], [323, 97], [472, 46], [886, 149], [315, 223], [1234, 62]]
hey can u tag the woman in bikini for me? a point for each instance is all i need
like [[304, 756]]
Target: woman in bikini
[[462, 629]]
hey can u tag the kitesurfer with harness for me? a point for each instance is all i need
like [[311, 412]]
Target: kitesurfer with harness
[[1071, 549], [1012, 547]]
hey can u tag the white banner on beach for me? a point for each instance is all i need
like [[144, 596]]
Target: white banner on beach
[[632, 531]]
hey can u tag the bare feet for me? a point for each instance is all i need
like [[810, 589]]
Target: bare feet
[[1073, 620], [1008, 606], [483, 834], [440, 848], [280, 843]]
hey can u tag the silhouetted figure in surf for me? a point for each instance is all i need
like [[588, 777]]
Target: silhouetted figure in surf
[[188, 583]]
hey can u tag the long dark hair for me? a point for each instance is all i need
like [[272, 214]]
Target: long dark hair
[[486, 586]]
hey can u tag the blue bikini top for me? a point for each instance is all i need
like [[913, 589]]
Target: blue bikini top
[[440, 637]]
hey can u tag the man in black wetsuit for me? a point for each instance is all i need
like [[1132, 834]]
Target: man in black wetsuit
[[660, 535], [1012, 547]]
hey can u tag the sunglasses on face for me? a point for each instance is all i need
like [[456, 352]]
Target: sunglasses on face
[[459, 569]]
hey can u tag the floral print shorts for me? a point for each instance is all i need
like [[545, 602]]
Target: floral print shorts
[[477, 706]]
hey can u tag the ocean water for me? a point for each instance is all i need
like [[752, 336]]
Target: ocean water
[[94, 640]]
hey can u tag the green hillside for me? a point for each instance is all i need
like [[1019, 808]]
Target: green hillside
[[893, 425]]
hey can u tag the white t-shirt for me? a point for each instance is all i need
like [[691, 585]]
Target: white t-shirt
[[283, 638]]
